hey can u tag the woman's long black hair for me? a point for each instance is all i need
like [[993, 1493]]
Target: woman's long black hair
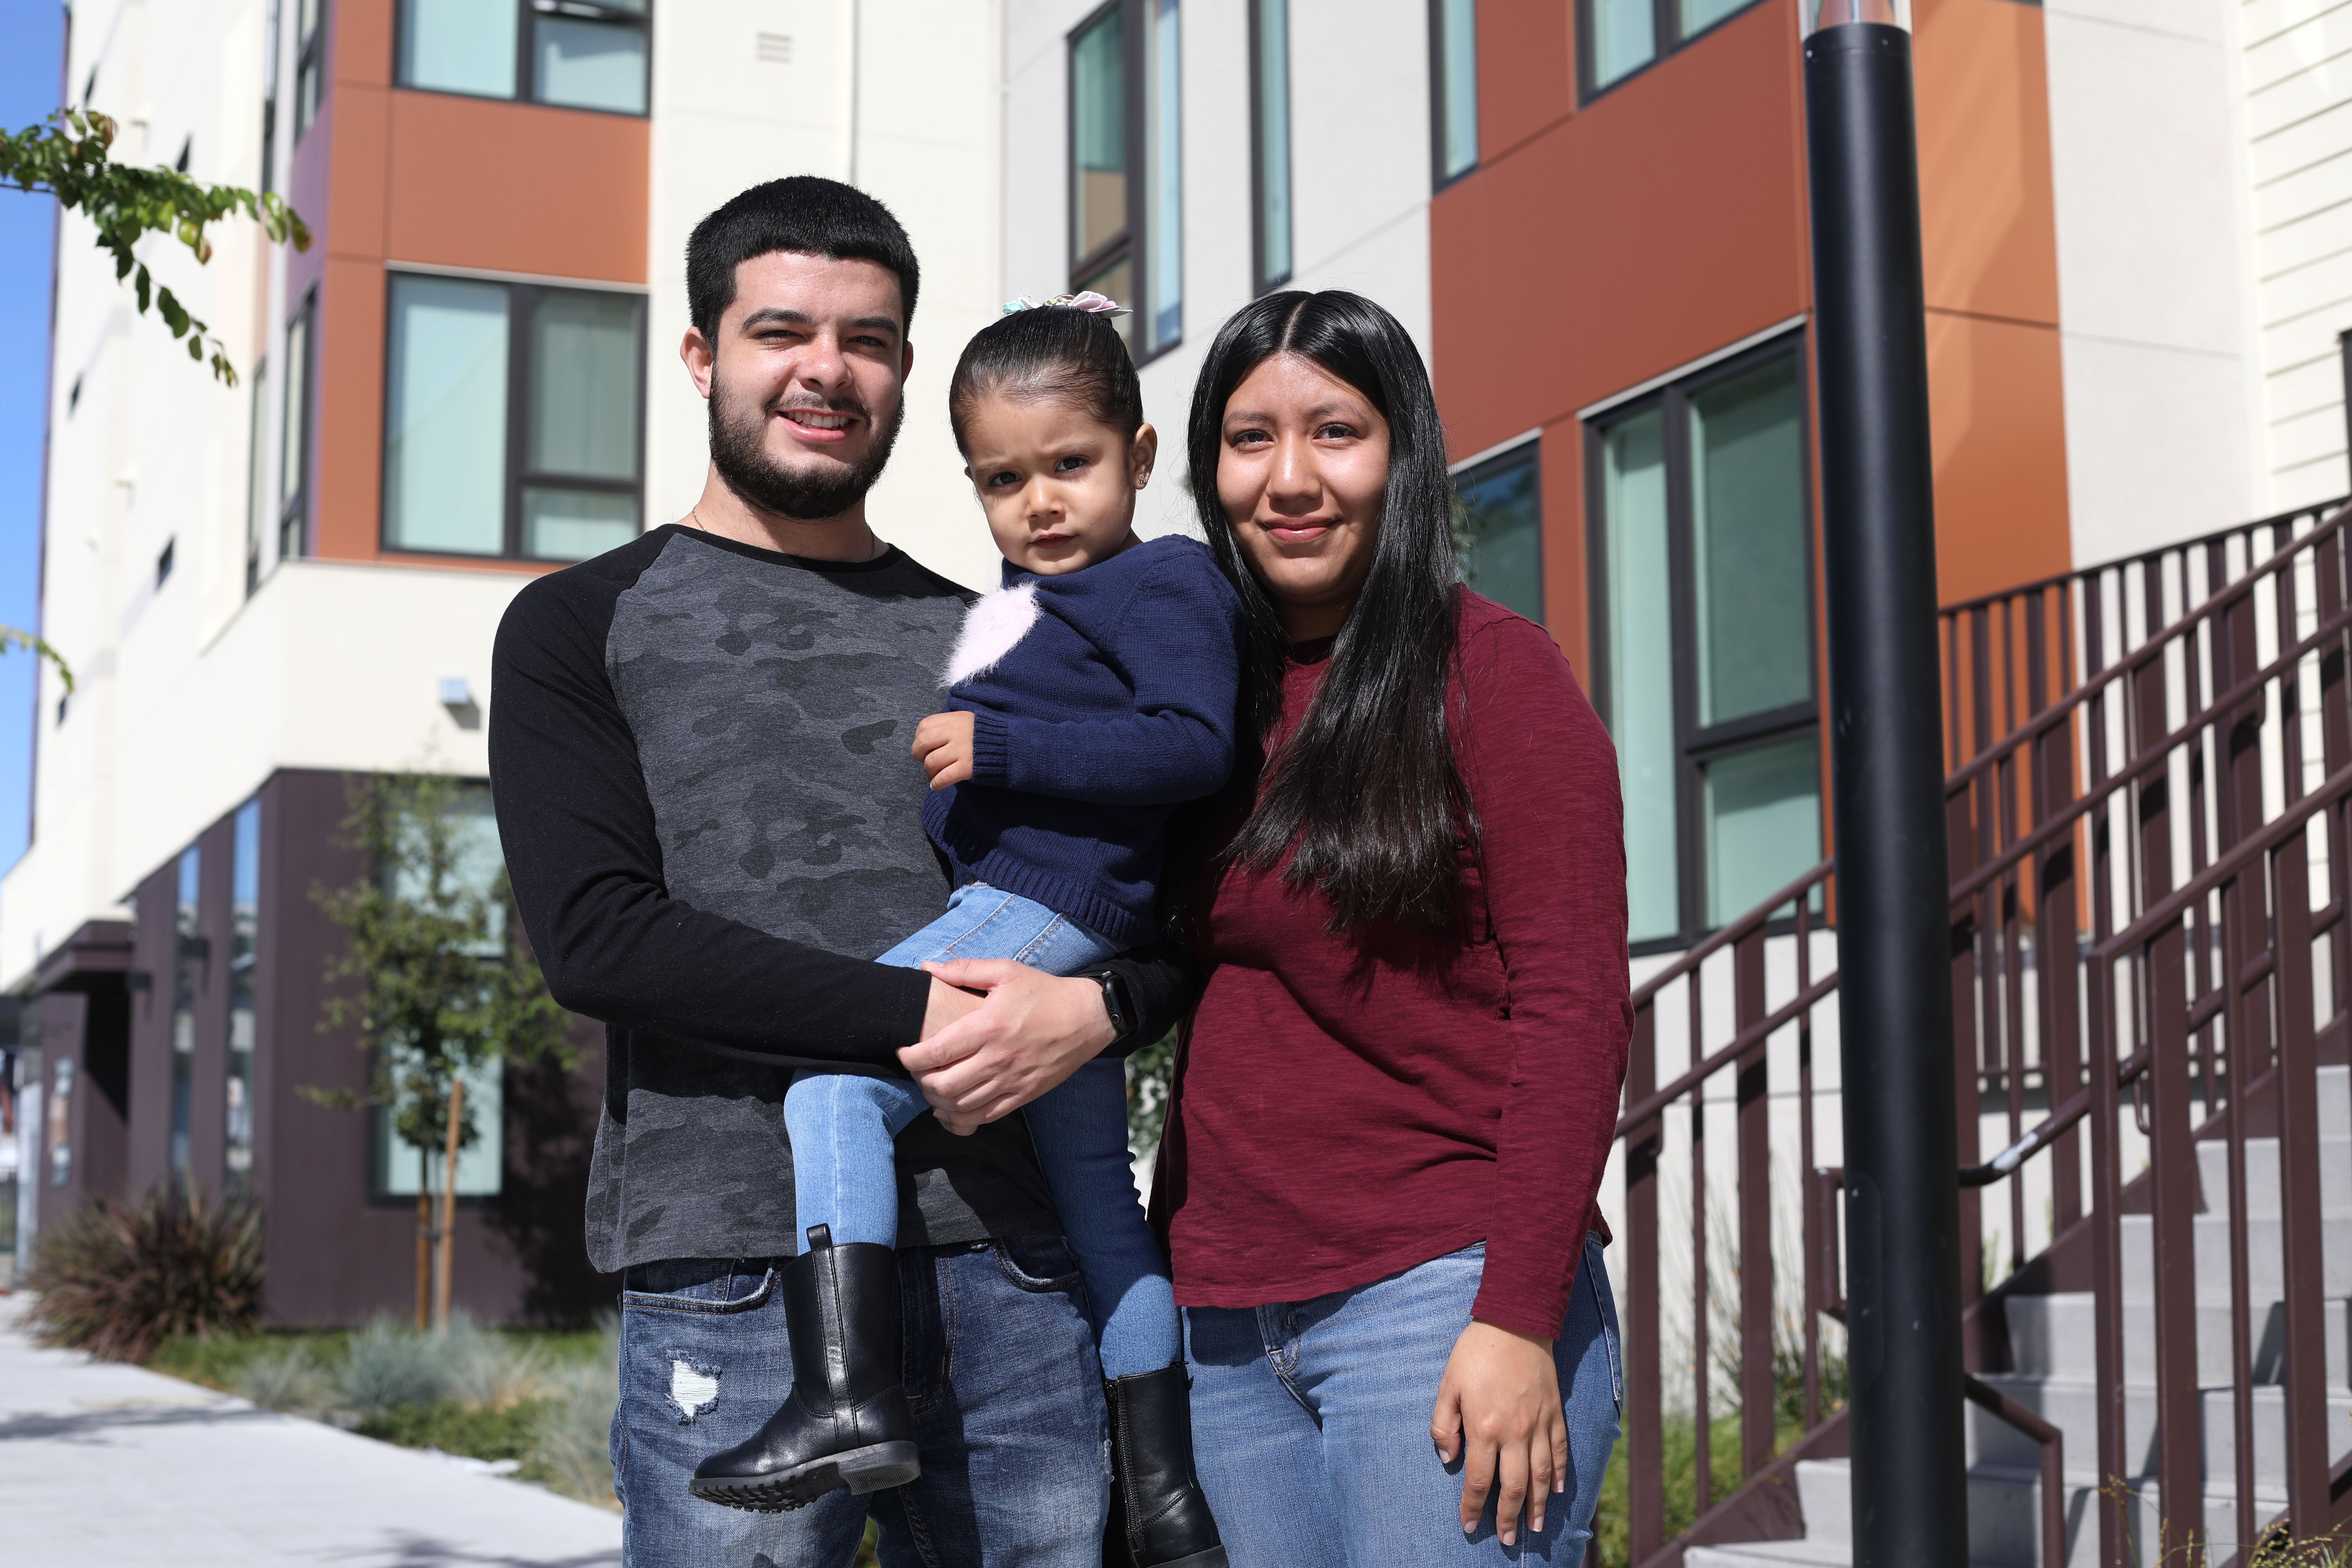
[[1364, 794]]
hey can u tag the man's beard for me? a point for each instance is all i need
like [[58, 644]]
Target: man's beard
[[738, 451]]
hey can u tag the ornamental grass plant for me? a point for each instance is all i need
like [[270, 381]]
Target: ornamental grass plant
[[117, 1277]]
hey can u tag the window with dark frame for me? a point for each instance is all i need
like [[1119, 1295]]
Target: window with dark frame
[[1617, 39], [245, 923], [257, 478], [1125, 152], [309, 62], [512, 418], [1270, 142], [188, 972], [269, 101], [1452, 89], [296, 420], [1700, 534], [1498, 529], [575, 53]]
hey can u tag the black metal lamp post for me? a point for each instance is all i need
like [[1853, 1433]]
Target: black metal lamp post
[[1902, 1291]]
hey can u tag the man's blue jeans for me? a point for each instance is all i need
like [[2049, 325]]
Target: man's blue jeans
[[841, 1126], [1001, 1371], [1311, 1422]]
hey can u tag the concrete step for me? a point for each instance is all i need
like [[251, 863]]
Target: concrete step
[[2265, 1241], [2004, 1521], [2263, 1176], [2057, 1336], [2072, 1405]]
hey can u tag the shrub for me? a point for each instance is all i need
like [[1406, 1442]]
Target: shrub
[[455, 1428], [490, 1370], [287, 1378], [119, 1275], [387, 1363], [570, 1440]]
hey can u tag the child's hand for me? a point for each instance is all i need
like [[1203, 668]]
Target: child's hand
[[943, 744]]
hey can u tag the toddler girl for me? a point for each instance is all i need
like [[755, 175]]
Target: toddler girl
[[1089, 695]]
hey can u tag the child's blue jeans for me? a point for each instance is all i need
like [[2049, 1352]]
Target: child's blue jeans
[[842, 1125]]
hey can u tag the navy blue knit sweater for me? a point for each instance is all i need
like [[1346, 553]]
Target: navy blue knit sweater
[[1101, 699]]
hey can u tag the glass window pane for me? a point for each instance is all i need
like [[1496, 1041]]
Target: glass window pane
[[480, 1166], [1458, 85], [1164, 174], [1498, 533], [185, 980], [1115, 281], [573, 525], [1274, 140], [583, 385], [591, 65], [444, 445], [245, 912], [1641, 667], [293, 421], [256, 477], [1747, 527], [1763, 824], [458, 46], [1697, 15], [1098, 136], [1624, 37]]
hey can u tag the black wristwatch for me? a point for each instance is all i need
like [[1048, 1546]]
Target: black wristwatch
[[1114, 994]]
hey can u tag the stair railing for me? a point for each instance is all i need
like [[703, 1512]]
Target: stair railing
[[2079, 710]]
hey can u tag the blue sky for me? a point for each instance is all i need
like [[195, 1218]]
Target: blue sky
[[28, 91]]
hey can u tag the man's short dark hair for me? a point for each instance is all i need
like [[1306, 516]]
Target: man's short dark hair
[[805, 213]]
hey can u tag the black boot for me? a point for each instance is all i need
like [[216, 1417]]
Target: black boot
[[846, 1423], [1158, 1517]]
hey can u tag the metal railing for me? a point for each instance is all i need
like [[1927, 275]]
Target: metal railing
[[2151, 779]]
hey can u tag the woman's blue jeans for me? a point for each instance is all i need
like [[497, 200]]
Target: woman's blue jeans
[[1311, 1418], [842, 1125]]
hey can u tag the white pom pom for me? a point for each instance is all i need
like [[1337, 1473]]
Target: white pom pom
[[991, 631]]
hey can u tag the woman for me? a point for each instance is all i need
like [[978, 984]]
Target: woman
[[1402, 1083]]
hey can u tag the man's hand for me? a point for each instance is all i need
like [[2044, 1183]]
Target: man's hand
[[1501, 1390], [943, 745], [1033, 1030]]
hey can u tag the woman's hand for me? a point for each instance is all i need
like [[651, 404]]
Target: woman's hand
[[1502, 1389], [943, 743], [1033, 1030]]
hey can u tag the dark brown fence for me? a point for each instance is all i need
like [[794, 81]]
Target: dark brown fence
[[2150, 794]]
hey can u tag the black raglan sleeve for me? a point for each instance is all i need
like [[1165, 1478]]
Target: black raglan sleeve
[[578, 829]]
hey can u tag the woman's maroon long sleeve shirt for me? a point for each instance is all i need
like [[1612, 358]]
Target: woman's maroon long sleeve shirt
[[1353, 1105]]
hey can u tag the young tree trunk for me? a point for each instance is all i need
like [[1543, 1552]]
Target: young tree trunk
[[424, 1238], [449, 1204]]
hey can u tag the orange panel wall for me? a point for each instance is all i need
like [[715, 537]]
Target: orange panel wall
[[1595, 248], [449, 181]]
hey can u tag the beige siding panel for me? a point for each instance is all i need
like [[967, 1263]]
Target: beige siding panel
[[2303, 290], [2322, 38], [2275, 106], [2303, 340], [2260, 21], [2321, 186], [2296, 147], [2304, 386], [2305, 242], [2307, 436]]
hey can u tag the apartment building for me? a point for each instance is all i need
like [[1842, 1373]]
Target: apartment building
[[1591, 213], [470, 376]]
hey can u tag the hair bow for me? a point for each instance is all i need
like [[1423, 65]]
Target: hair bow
[[1087, 300]]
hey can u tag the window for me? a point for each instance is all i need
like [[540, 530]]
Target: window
[[187, 954], [398, 1169], [294, 435], [511, 418], [257, 478], [309, 62], [163, 561], [244, 926], [1127, 211], [1702, 641], [1617, 38], [577, 54], [1270, 139], [270, 102], [1454, 89], [1499, 529]]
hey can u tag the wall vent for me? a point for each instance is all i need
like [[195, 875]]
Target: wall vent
[[773, 49]]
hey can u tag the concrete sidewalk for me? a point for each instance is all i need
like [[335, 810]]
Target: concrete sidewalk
[[102, 1464]]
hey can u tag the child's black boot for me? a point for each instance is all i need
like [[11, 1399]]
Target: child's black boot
[[846, 1423], [1157, 1516]]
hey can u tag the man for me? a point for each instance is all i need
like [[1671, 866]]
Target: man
[[699, 746]]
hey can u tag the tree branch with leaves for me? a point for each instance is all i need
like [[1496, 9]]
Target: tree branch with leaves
[[70, 156]]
